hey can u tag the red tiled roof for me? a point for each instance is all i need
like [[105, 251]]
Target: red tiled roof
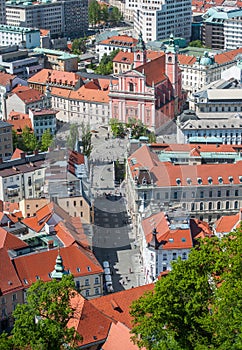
[[9, 241], [200, 147], [44, 32], [119, 338], [27, 95], [88, 321], [21, 123], [6, 79], [64, 235], [120, 40], [17, 153], [15, 216], [165, 174], [173, 239], [9, 280], [186, 60], [117, 306], [75, 259], [128, 57], [227, 56], [54, 76], [226, 223], [10, 207], [154, 70], [76, 158]]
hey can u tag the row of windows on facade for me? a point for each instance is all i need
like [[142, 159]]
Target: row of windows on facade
[[210, 206], [174, 256], [193, 194], [17, 178], [74, 203]]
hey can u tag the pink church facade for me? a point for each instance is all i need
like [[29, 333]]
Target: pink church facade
[[151, 91]]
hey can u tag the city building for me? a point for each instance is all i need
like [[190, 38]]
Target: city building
[[58, 60], [19, 62], [204, 180], [226, 224], [3, 12], [6, 140], [119, 42], [198, 73], [210, 127], [7, 83], [222, 28], [27, 37], [54, 78], [22, 99], [151, 91], [164, 238], [43, 120], [156, 20], [22, 178], [62, 18]]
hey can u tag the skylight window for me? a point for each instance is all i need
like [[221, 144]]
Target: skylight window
[[189, 181], [231, 179], [171, 240], [78, 269], [178, 181], [210, 180], [183, 239], [220, 179], [199, 180]]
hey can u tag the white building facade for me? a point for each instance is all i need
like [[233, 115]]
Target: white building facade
[[156, 20], [10, 35]]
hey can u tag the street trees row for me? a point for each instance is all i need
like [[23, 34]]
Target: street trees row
[[98, 13], [28, 142], [134, 126], [86, 138], [198, 305]]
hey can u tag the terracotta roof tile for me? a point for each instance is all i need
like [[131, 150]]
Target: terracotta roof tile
[[27, 95], [119, 338], [9, 241], [88, 321], [75, 259], [154, 70], [10, 207], [17, 153], [227, 56], [55, 77], [6, 79], [123, 301], [20, 123], [186, 60], [227, 223], [9, 280], [120, 40]]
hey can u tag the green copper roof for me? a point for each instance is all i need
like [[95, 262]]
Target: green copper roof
[[59, 270], [140, 44], [171, 47]]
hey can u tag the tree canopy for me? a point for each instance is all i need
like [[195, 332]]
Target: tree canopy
[[198, 304], [105, 66], [41, 323], [46, 140], [99, 12], [86, 139], [79, 46], [73, 136]]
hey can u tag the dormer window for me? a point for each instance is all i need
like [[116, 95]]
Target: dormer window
[[144, 181], [240, 178], [189, 181], [178, 181], [231, 179], [210, 180], [199, 180], [138, 57], [220, 179]]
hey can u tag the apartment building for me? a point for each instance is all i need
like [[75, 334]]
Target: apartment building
[[205, 180], [156, 20], [165, 237], [62, 18], [19, 62], [22, 178], [6, 142], [22, 99], [58, 60], [42, 120], [27, 37]]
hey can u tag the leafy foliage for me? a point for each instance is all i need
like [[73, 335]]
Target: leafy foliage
[[117, 128], [105, 66], [46, 140], [86, 139], [6, 342], [100, 12], [42, 322], [94, 12], [27, 141], [79, 46], [73, 136], [198, 305], [196, 43]]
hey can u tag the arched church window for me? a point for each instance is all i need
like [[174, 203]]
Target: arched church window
[[169, 59], [131, 87], [138, 57]]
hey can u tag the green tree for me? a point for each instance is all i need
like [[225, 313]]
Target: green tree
[[46, 140], [79, 46], [28, 140], [117, 128], [41, 323], [198, 305], [86, 139], [94, 13], [196, 43], [105, 66], [104, 13], [115, 15], [6, 342], [73, 136]]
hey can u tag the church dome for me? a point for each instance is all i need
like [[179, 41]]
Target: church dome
[[206, 60]]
